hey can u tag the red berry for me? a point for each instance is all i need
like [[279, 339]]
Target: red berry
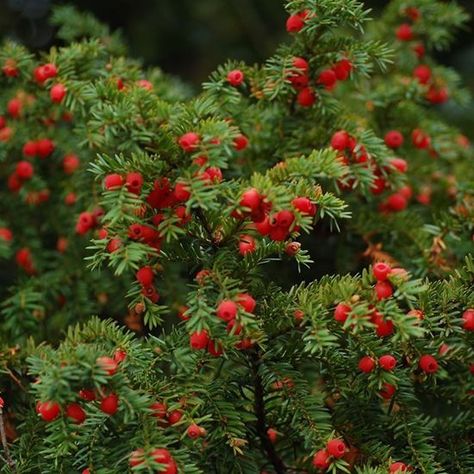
[[76, 412], [70, 199], [14, 107], [383, 290], [109, 404], [251, 199], [468, 319], [24, 170], [272, 435], [366, 364], [107, 364], [114, 245], [397, 467], [342, 69], [199, 339], [48, 411], [301, 64], [145, 276], [6, 234], [113, 181], [30, 149], [57, 93], [134, 182], [189, 141], [70, 164], [144, 84], [428, 364], [304, 205], [294, 23], [341, 313], [387, 362], [283, 219], [181, 191], [321, 459], [159, 410], [381, 270], [215, 348], [49, 71], [383, 327], [246, 244], [136, 458], [44, 147], [388, 391], [227, 310], [399, 164], [87, 394], [420, 139], [175, 416], [306, 97], [163, 456], [340, 140], [120, 355], [394, 139], [235, 78], [422, 73], [336, 448], [397, 202], [327, 78], [241, 142], [194, 431], [10, 68], [246, 301], [419, 49], [404, 32]]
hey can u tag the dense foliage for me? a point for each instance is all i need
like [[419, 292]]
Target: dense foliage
[[184, 224]]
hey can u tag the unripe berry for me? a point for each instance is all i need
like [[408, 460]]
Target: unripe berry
[[107, 364], [199, 340], [404, 32], [48, 411], [113, 181], [24, 170], [227, 310], [247, 302], [321, 460], [76, 412], [235, 78], [381, 270], [57, 93], [383, 290], [145, 276], [336, 448], [109, 404], [387, 362], [394, 139], [468, 319], [366, 364], [428, 364], [189, 141], [341, 312]]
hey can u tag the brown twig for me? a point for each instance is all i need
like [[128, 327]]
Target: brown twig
[[6, 450]]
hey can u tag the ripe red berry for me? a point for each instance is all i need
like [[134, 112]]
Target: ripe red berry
[[397, 468], [428, 364], [136, 458], [6, 234], [181, 191], [342, 69], [387, 362], [10, 68], [227, 310], [246, 244], [30, 149], [340, 140], [109, 404], [306, 97], [422, 73], [159, 410], [383, 327], [388, 391], [44, 147], [47, 71], [235, 78], [336, 448], [48, 411], [294, 23], [14, 107], [397, 202], [247, 302], [76, 412], [57, 93], [87, 394], [283, 219], [327, 78], [393, 139], [114, 245], [24, 170], [341, 313], [468, 319], [240, 142], [301, 64], [420, 139], [163, 456], [251, 199], [113, 181], [378, 185], [189, 141], [272, 435], [134, 182], [321, 460], [107, 364], [175, 416], [304, 205], [381, 271], [70, 163], [199, 340], [145, 276], [144, 84], [194, 431], [383, 290], [366, 364], [120, 355], [404, 32], [399, 164]]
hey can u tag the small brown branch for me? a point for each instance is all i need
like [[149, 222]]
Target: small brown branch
[[6, 450], [259, 393]]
